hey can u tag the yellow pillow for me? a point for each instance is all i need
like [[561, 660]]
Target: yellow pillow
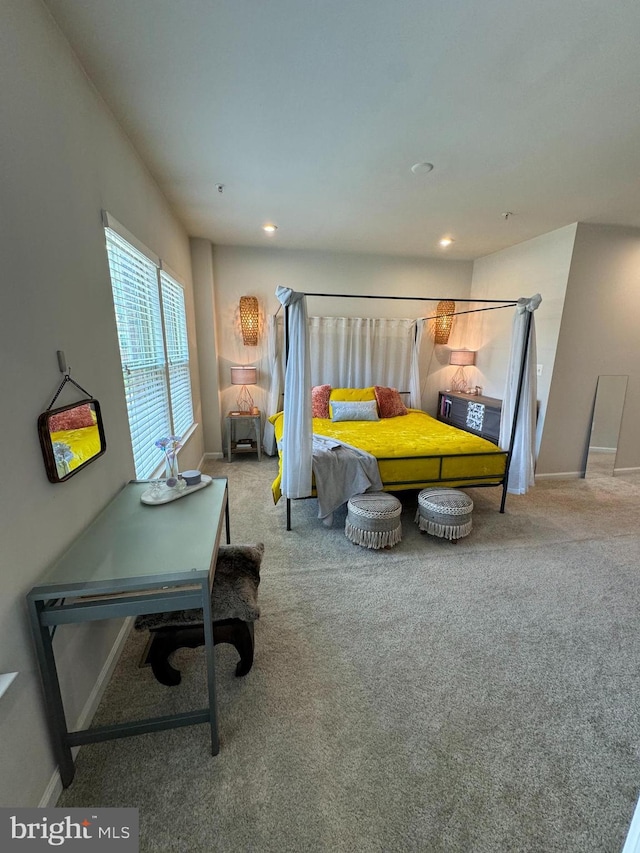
[[353, 395], [350, 395]]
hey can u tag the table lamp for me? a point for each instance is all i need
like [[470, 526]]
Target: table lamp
[[244, 376], [461, 358]]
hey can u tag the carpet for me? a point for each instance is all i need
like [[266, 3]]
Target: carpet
[[434, 697]]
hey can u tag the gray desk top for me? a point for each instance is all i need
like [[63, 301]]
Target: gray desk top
[[130, 543]]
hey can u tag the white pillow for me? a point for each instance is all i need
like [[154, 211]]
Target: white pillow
[[349, 410]]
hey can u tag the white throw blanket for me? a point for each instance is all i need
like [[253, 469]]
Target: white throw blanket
[[341, 471]]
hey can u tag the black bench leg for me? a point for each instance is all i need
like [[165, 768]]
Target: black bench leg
[[240, 635], [164, 641]]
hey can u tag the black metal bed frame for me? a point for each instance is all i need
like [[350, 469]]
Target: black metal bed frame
[[470, 482]]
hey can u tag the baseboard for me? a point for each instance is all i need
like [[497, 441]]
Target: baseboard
[[216, 455], [52, 791], [54, 788], [572, 475], [561, 475]]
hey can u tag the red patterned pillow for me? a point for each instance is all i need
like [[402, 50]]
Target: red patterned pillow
[[77, 418], [320, 401], [390, 404]]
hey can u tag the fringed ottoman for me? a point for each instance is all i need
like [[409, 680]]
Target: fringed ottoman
[[445, 513], [373, 520], [234, 604]]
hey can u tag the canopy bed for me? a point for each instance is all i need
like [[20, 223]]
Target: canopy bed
[[413, 450]]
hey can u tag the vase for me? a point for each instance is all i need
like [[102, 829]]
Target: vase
[[171, 469]]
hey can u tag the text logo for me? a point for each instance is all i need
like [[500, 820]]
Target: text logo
[[69, 830]]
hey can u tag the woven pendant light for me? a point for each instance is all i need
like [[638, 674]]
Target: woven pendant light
[[444, 321], [249, 320]]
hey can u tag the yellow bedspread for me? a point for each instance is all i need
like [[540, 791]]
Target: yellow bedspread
[[398, 443], [82, 444]]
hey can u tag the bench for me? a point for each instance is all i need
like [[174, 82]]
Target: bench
[[234, 603]]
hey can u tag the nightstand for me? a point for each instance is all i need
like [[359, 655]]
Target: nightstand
[[244, 445]]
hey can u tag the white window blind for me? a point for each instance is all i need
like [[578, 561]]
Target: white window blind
[[175, 330], [152, 333]]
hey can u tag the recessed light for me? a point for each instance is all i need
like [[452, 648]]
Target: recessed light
[[269, 227], [446, 241], [421, 168]]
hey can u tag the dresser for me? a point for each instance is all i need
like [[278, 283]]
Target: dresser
[[477, 414]]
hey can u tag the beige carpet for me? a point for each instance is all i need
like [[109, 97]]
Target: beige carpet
[[477, 697]]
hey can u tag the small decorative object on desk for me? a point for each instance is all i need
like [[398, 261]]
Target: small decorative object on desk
[[170, 447], [159, 493]]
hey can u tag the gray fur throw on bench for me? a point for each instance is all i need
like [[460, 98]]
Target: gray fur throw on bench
[[234, 595]]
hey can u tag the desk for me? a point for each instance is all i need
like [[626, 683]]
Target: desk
[[132, 559]]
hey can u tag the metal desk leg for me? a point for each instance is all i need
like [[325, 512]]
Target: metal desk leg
[[211, 669], [52, 696], [257, 424]]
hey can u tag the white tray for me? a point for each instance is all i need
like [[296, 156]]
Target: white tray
[[167, 495]]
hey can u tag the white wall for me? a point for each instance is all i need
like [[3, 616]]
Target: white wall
[[540, 266], [64, 158], [598, 336], [205, 308], [257, 272]]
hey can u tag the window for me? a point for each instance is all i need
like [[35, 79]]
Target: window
[[152, 333], [177, 347]]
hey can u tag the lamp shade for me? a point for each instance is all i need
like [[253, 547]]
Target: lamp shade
[[444, 321], [462, 357], [249, 320], [244, 375]]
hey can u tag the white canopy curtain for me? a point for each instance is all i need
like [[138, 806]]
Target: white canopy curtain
[[275, 386], [415, 385], [297, 434], [521, 470], [352, 352], [355, 352]]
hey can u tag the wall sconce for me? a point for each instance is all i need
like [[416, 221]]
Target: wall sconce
[[461, 358], [244, 376], [444, 321], [249, 320]]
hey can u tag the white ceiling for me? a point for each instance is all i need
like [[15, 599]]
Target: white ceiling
[[312, 112]]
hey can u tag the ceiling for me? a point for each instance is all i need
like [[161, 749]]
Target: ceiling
[[311, 115]]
